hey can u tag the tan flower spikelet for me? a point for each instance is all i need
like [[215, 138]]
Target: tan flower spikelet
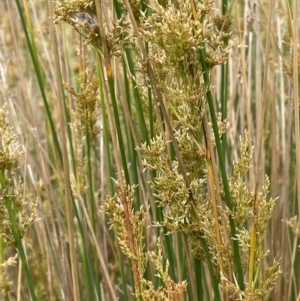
[[5, 283], [12, 203]]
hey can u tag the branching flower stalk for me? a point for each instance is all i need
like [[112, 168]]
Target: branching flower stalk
[[130, 241], [188, 68], [16, 214], [84, 125], [160, 103], [119, 209]]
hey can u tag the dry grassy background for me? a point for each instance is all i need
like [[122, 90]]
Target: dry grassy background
[[260, 99]]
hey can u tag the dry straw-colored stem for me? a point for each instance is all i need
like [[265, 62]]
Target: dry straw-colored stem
[[296, 112], [260, 126], [117, 156], [66, 169]]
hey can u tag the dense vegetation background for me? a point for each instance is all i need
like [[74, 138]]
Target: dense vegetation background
[[149, 150]]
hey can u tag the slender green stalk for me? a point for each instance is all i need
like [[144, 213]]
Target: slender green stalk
[[235, 244], [224, 83], [199, 279], [213, 278], [90, 180], [39, 77]]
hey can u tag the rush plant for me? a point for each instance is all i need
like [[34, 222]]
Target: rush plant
[[160, 140]]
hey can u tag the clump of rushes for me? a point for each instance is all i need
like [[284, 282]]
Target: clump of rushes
[[183, 48], [173, 196], [185, 41], [130, 224], [16, 214]]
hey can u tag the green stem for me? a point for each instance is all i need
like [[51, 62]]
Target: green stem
[[236, 252], [31, 48]]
